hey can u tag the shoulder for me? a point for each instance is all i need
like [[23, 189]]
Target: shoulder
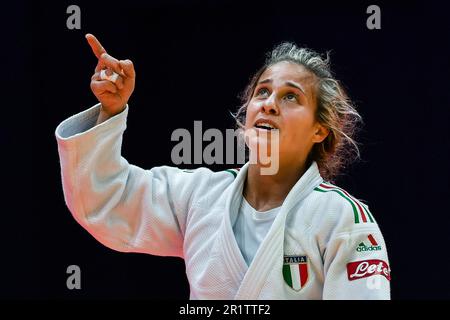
[[198, 176], [201, 180], [196, 186], [341, 210], [176, 174], [222, 179]]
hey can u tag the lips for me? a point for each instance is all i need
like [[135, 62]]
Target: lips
[[266, 124]]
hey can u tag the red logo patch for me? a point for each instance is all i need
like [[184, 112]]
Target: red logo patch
[[367, 268]]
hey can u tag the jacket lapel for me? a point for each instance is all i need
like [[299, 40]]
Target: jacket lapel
[[270, 252], [232, 255]]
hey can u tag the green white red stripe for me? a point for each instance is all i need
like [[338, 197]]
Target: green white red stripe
[[234, 172], [359, 209], [296, 274], [372, 240]]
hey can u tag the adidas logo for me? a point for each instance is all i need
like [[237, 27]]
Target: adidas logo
[[372, 246]]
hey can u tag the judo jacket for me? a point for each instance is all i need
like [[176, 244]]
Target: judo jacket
[[323, 244]]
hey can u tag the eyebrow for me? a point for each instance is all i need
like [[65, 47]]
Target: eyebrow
[[288, 83]]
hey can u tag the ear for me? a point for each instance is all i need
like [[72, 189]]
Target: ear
[[320, 133]]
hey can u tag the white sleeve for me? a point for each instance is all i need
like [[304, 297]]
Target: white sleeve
[[124, 207], [356, 265]]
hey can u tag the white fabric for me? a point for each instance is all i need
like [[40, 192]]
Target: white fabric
[[172, 212], [113, 77], [251, 227]]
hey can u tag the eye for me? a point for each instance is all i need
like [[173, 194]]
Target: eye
[[262, 92], [291, 96]]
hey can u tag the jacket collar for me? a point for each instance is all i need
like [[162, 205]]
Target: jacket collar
[[250, 280]]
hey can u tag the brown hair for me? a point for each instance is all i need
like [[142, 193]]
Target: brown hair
[[334, 111]]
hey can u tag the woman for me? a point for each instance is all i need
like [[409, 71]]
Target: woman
[[242, 234]]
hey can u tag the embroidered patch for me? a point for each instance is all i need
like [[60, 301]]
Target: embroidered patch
[[371, 245], [295, 271], [367, 268]]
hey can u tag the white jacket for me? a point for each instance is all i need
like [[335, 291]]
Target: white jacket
[[323, 244]]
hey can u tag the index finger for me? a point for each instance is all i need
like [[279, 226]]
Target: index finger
[[96, 46]]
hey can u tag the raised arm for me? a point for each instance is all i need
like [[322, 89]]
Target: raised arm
[[123, 206]]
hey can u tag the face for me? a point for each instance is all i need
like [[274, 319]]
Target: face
[[284, 99]]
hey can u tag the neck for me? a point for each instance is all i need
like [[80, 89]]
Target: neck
[[265, 192]]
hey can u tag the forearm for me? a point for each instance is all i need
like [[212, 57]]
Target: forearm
[[124, 207], [89, 155]]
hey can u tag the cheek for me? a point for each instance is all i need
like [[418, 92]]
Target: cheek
[[248, 120], [250, 115], [300, 128]]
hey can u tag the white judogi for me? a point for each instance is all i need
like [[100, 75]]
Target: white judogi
[[323, 243]]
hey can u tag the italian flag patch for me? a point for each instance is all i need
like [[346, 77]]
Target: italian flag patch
[[295, 271]]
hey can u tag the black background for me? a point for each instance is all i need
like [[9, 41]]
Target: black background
[[192, 59]]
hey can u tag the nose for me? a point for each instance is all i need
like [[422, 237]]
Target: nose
[[270, 105]]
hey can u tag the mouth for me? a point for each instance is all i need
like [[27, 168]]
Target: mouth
[[266, 125]]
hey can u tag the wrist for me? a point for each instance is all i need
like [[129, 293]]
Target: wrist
[[102, 115]]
